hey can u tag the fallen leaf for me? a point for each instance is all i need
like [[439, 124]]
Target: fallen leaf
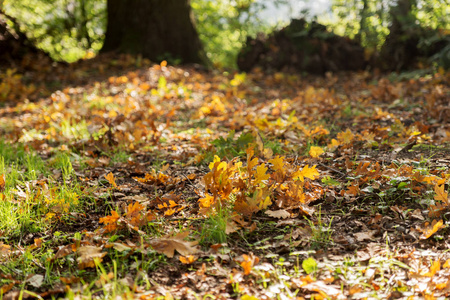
[[87, 255], [2, 182], [248, 262], [111, 179], [429, 230], [168, 245], [36, 280], [279, 214], [187, 260], [315, 152]]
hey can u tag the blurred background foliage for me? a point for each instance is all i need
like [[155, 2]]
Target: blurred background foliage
[[72, 29]]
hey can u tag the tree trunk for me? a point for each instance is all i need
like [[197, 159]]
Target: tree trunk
[[157, 29]]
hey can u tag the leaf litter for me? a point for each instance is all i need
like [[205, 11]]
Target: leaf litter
[[255, 186]]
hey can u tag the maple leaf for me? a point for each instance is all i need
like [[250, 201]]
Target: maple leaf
[[87, 255], [345, 137], [110, 221], [111, 179], [261, 175], [315, 152], [168, 245], [441, 194]]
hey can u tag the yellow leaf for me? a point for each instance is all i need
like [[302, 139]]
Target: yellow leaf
[[315, 152], [278, 163], [441, 194], [306, 172], [111, 179], [431, 229], [261, 174]]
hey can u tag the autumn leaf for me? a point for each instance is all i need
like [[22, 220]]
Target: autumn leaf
[[434, 268], [279, 214], [248, 261], [429, 230], [315, 152], [168, 245], [2, 182], [87, 255], [187, 260], [261, 175], [306, 172], [111, 179], [441, 194]]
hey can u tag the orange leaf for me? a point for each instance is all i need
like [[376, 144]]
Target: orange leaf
[[441, 194], [111, 179], [429, 230], [2, 182], [248, 262], [436, 266], [187, 260]]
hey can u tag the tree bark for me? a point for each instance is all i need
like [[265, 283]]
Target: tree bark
[[157, 29]]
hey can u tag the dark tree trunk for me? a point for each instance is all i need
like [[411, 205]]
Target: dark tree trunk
[[401, 46], [157, 29]]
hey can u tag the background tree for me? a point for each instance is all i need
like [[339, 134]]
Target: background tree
[[157, 29]]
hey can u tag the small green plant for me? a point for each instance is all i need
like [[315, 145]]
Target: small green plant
[[320, 232], [215, 226], [231, 147]]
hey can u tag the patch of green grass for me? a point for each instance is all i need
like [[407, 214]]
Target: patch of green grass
[[215, 227], [320, 232]]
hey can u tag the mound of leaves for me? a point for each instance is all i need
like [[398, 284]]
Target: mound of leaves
[[302, 46]]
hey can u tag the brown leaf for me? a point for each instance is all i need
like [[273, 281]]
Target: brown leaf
[[168, 245], [87, 254]]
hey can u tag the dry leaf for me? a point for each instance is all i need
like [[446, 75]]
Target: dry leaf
[[248, 262], [168, 245], [2, 182], [87, 254], [279, 214], [429, 230], [111, 179]]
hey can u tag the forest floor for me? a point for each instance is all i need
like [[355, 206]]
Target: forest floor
[[120, 178]]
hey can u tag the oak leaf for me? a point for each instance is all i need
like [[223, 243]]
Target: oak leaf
[[306, 172], [248, 262], [87, 256], [315, 152], [111, 179], [441, 194], [261, 175], [429, 230], [279, 214], [168, 245]]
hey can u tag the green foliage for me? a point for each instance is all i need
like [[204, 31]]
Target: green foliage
[[231, 147], [66, 29], [369, 20], [224, 25]]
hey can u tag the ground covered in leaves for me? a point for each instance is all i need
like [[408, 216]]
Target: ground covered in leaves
[[120, 178]]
